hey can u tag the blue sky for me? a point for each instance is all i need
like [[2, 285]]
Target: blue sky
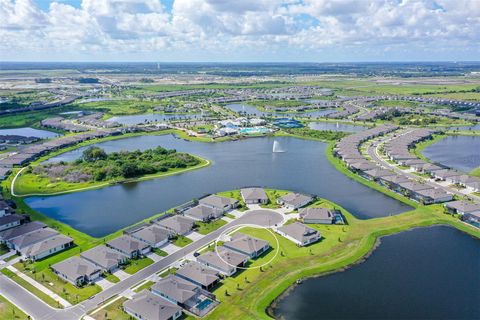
[[233, 30]]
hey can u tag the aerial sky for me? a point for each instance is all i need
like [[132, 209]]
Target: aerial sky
[[240, 30]]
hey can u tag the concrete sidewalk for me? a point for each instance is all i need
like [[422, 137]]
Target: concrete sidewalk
[[40, 287]]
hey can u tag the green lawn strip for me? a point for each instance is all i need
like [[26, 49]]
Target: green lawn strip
[[160, 252], [136, 265], [113, 311], [182, 241], [11, 258], [110, 277], [475, 172], [207, 227], [340, 166], [9, 311], [64, 289], [3, 249], [144, 286], [228, 215], [165, 273], [248, 294], [32, 289]]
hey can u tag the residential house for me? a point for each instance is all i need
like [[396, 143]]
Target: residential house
[[153, 235], [177, 224], [293, 201], [223, 260], [462, 207], [77, 271], [26, 228], [254, 195], [299, 233], [245, 244], [199, 274], [148, 306], [318, 215], [185, 294], [223, 204], [105, 258], [11, 220], [47, 247], [433, 195], [203, 213], [31, 238], [129, 246]]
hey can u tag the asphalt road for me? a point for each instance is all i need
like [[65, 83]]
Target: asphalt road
[[38, 310]]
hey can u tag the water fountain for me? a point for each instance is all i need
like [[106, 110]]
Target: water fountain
[[276, 147]]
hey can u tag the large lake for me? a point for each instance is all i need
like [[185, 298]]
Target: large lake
[[252, 110], [430, 273], [250, 162], [458, 152], [29, 132], [335, 126]]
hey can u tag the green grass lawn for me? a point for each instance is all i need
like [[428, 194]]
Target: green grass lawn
[[137, 265], [160, 252], [475, 172], [110, 277], [64, 289], [228, 215], [113, 311], [8, 311], [182, 241], [3, 249], [164, 274], [273, 195], [144, 286], [33, 290], [207, 227]]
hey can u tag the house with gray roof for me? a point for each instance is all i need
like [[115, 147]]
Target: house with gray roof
[[26, 228], [462, 207], [318, 215], [26, 240], [376, 173], [248, 245], [129, 246], [433, 195], [47, 247], [77, 271], [392, 182], [254, 195], [224, 260], [153, 235], [184, 293], [11, 220], [223, 204], [411, 187], [177, 224], [4, 208], [148, 306], [105, 258], [203, 213], [294, 200], [299, 233], [199, 274]]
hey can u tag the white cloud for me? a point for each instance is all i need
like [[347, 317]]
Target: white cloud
[[223, 29]]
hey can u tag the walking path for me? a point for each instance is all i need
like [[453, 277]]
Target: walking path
[[40, 287]]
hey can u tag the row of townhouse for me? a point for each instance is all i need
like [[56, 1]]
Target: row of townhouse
[[397, 150]]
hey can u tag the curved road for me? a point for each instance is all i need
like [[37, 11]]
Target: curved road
[[41, 311]]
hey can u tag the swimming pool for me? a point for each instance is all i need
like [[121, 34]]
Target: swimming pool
[[204, 304], [254, 130]]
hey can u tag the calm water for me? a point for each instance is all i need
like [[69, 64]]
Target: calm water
[[458, 152], [474, 127], [303, 167], [29, 132], [336, 126], [252, 110], [430, 273], [151, 117]]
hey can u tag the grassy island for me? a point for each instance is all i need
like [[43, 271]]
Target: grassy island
[[96, 168]]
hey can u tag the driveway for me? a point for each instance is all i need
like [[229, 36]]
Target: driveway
[[194, 236], [155, 257], [104, 283], [120, 274], [170, 248]]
